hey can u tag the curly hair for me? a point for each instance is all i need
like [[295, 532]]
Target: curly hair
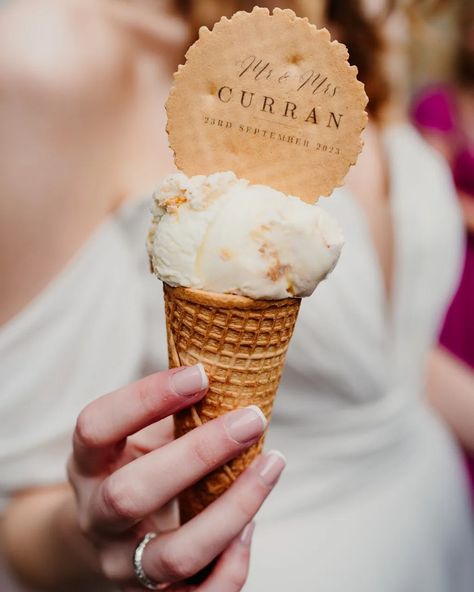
[[362, 36]]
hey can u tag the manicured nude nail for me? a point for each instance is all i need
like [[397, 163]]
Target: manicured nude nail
[[189, 381], [270, 467], [246, 424], [247, 534]]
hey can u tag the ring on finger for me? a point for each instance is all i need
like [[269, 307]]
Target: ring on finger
[[140, 574]]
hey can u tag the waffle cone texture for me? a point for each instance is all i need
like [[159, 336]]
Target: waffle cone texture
[[242, 344]]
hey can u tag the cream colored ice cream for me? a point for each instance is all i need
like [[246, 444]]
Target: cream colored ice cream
[[222, 234]]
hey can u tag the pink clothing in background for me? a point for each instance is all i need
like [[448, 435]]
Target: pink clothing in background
[[435, 112]]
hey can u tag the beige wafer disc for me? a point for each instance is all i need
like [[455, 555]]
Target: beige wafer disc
[[272, 98]]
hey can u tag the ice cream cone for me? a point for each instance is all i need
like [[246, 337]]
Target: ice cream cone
[[242, 344]]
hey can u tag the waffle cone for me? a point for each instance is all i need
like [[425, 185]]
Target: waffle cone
[[242, 344]]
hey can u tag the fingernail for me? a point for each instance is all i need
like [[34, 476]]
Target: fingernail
[[247, 534], [246, 424], [189, 381], [270, 467]]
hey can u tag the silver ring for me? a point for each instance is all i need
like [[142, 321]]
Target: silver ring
[[140, 574]]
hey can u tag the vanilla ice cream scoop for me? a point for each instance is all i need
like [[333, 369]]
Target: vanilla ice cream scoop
[[222, 234]]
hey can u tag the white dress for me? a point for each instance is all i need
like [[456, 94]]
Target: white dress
[[97, 326], [373, 498]]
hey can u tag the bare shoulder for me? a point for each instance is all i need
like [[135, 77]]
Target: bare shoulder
[[64, 84], [81, 127]]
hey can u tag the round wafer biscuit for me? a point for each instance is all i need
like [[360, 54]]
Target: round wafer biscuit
[[272, 98]]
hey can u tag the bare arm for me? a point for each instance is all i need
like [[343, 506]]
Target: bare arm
[[43, 543], [451, 392]]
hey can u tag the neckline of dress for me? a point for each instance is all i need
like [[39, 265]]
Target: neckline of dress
[[388, 302]]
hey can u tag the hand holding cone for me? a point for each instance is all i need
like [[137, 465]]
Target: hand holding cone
[[242, 344]]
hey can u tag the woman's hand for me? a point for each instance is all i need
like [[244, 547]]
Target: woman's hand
[[123, 476]]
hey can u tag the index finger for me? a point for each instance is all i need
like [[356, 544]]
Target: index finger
[[104, 424]]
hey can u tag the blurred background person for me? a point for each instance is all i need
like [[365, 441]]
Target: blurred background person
[[375, 495], [374, 498], [444, 113]]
